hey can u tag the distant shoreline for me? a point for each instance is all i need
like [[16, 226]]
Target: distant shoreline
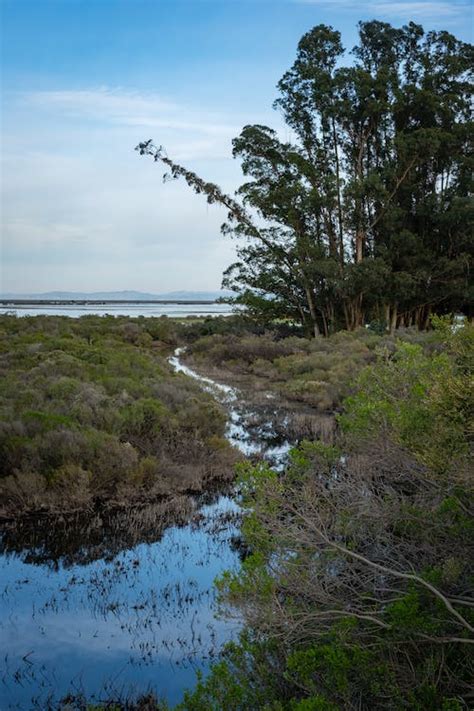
[[96, 302]]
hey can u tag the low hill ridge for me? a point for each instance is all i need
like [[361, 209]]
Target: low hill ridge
[[125, 295]]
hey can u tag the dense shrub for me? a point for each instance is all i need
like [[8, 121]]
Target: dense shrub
[[317, 372], [90, 408], [357, 593]]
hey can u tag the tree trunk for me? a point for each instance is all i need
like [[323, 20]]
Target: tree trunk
[[393, 319], [338, 193], [354, 313], [359, 245], [312, 310], [325, 325], [347, 317], [425, 317]]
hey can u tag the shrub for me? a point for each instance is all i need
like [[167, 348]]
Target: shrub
[[90, 406], [356, 593]]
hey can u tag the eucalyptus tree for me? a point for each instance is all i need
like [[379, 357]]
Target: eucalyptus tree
[[366, 211]]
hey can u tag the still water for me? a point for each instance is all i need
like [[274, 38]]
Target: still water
[[117, 605], [138, 619], [117, 309]]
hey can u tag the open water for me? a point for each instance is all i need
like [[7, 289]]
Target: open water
[[121, 604], [116, 309]]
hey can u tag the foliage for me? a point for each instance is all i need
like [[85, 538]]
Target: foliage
[[424, 403], [365, 215], [356, 593], [317, 372], [89, 409]]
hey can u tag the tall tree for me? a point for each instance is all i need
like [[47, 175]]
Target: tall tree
[[366, 213]]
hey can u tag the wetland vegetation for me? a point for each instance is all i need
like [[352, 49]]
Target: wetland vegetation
[[341, 398], [91, 413], [355, 549], [358, 590]]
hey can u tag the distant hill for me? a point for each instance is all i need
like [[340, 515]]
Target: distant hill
[[120, 296], [195, 295]]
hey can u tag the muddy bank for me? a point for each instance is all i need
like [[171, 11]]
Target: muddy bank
[[179, 482]]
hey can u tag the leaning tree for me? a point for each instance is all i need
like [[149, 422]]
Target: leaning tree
[[366, 212]]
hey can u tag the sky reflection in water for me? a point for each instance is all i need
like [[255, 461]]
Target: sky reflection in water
[[145, 619], [143, 309], [133, 616]]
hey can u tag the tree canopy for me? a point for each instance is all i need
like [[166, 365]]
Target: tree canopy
[[366, 212]]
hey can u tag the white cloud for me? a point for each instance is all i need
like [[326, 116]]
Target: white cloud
[[420, 10], [81, 210], [429, 10], [129, 108]]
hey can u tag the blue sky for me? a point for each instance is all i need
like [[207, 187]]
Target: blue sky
[[84, 80]]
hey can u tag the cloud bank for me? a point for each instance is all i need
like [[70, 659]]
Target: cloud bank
[[426, 10], [81, 209]]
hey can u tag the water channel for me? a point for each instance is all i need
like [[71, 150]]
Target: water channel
[[120, 604]]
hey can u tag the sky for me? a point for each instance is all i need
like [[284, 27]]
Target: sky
[[83, 81]]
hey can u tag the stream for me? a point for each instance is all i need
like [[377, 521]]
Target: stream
[[122, 604]]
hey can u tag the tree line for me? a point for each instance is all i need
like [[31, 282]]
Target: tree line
[[366, 213]]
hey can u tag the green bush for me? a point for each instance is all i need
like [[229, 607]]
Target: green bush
[[355, 593], [90, 406], [318, 372], [424, 402]]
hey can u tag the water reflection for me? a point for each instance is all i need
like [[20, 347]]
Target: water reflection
[[112, 603], [81, 538], [142, 617], [144, 308]]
